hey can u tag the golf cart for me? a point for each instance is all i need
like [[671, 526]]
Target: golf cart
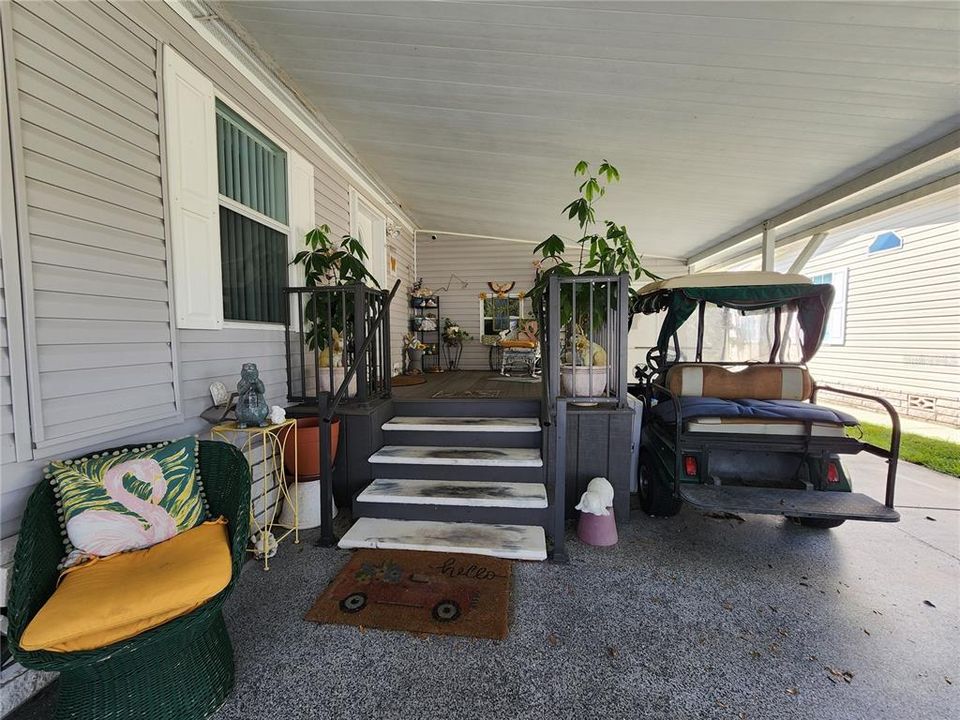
[[730, 418]]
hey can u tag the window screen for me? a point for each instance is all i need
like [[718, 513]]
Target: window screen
[[252, 171]]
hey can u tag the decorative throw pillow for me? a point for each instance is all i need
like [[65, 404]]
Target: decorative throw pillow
[[128, 499]]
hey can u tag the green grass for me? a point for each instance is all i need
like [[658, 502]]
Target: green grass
[[940, 455]]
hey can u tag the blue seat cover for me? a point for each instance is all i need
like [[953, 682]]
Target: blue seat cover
[[700, 407]]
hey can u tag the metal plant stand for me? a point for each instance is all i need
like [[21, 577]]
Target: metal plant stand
[[453, 352]]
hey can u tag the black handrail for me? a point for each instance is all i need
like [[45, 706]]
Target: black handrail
[[326, 410], [893, 454]]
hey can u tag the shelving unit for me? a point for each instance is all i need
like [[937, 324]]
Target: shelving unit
[[431, 360]]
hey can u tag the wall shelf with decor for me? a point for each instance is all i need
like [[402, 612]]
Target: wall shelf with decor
[[425, 323]]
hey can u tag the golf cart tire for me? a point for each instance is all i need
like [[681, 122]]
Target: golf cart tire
[[655, 498], [821, 523]]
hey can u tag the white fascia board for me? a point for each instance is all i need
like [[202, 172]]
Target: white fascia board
[[261, 77]]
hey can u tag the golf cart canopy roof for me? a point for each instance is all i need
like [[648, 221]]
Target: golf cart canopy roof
[[743, 291]]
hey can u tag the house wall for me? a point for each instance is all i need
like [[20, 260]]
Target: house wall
[[902, 335], [85, 91], [478, 260]]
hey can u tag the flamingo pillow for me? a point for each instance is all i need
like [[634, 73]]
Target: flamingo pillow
[[116, 501]]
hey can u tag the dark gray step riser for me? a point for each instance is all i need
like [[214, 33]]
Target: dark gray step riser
[[462, 407], [457, 472], [463, 439], [452, 513]]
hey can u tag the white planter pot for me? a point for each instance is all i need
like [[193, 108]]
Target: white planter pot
[[338, 374], [583, 381], [308, 506]]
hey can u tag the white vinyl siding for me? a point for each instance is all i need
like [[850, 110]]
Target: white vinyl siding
[[478, 260], [95, 221], [102, 356]]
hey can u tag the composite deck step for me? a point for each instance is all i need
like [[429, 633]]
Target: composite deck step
[[516, 542], [475, 456], [455, 492], [795, 503], [462, 424]]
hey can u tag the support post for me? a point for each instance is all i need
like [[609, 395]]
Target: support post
[[558, 445], [808, 251], [327, 536], [359, 335], [768, 249]]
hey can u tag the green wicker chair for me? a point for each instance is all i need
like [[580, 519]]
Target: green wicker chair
[[178, 671]]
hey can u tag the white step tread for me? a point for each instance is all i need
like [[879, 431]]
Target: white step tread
[[456, 492], [516, 542], [437, 455], [462, 424]]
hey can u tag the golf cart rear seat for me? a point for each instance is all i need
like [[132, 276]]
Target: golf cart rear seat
[[758, 400]]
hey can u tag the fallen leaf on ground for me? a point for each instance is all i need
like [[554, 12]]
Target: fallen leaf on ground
[[612, 652], [727, 606], [783, 632], [723, 705], [756, 654], [724, 516], [928, 603], [844, 675], [553, 639], [792, 691]]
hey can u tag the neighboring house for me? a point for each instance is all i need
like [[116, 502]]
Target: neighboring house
[[895, 325], [122, 227], [894, 328]]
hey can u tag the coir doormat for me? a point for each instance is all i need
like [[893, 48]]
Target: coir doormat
[[420, 592]]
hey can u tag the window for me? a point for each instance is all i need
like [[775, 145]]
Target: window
[[837, 320], [885, 241], [252, 180]]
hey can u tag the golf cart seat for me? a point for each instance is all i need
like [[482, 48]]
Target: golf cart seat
[[760, 399]]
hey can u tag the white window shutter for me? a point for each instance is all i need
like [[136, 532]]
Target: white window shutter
[[191, 145], [303, 218]]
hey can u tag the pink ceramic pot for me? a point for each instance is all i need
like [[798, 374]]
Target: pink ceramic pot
[[599, 530]]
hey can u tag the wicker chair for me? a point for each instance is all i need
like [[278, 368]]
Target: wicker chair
[[178, 671]]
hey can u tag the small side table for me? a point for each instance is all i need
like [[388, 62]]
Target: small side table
[[273, 440]]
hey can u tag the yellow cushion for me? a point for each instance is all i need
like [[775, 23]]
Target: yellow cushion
[[121, 596], [526, 344]]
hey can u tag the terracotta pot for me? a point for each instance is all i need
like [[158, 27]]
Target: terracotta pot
[[308, 447]]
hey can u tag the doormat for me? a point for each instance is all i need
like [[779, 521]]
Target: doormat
[[468, 394], [419, 592], [404, 380]]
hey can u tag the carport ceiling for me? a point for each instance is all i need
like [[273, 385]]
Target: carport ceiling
[[717, 114]]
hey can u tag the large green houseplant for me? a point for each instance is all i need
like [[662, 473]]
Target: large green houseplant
[[327, 329], [605, 249], [327, 262]]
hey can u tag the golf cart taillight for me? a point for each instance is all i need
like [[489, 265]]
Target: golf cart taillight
[[833, 474], [690, 465]]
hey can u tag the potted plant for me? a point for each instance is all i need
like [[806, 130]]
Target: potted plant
[[413, 349], [326, 262], [453, 338], [606, 250]]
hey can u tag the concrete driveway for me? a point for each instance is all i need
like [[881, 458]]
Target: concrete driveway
[[688, 617]]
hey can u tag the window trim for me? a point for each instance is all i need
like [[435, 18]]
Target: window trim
[[241, 209], [842, 293]]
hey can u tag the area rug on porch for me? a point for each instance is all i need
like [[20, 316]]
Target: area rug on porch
[[420, 592], [406, 380], [468, 394]]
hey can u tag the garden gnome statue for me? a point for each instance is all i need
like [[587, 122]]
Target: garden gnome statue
[[597, 525], [251, 407]]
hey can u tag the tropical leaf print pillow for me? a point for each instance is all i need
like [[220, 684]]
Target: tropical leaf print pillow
[[126, 500]]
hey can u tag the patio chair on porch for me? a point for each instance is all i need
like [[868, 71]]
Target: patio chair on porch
[[181, 669], [521, 352]]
